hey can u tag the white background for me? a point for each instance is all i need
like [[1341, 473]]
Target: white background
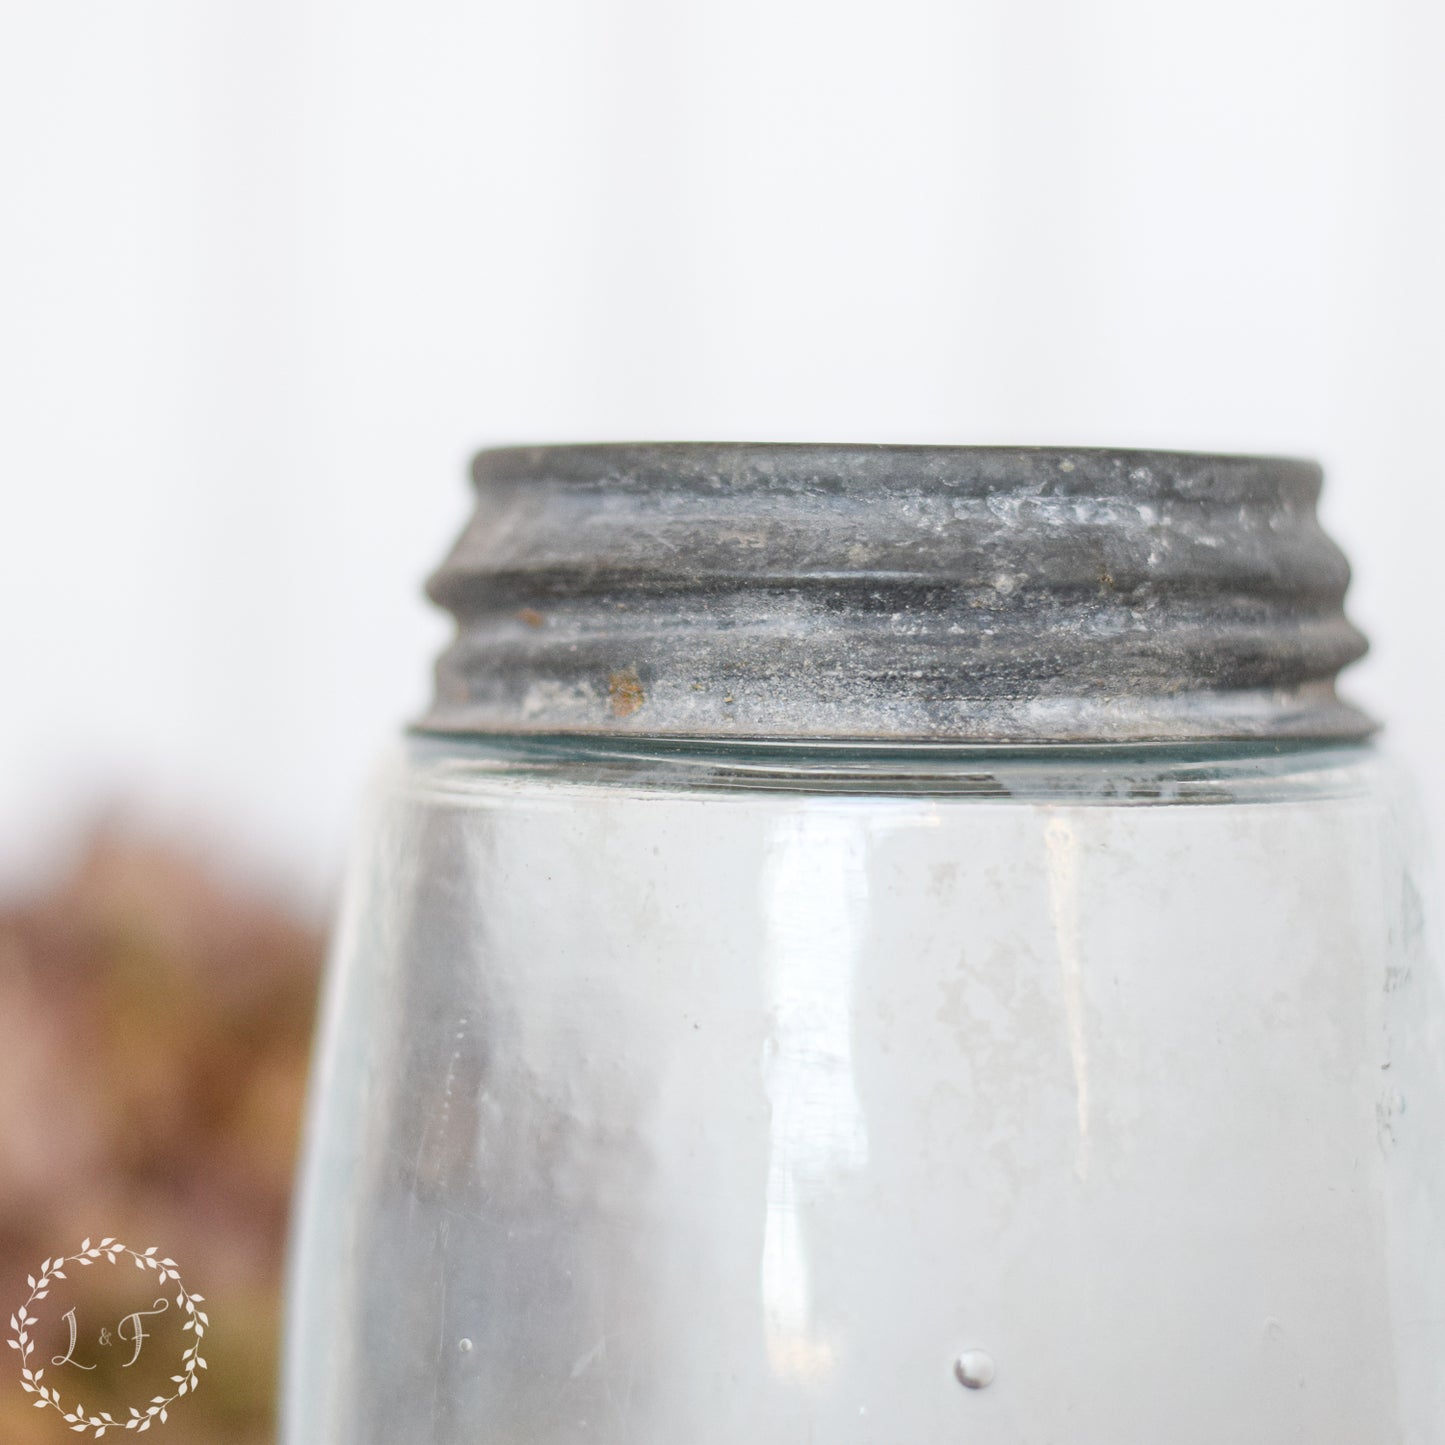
[[270, 271]]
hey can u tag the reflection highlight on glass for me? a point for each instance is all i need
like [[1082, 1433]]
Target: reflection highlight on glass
[[815, 914]]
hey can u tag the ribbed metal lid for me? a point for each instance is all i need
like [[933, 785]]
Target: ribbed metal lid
[[969, 594]]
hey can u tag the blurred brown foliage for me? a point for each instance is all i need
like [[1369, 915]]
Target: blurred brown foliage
[[155, 1029]]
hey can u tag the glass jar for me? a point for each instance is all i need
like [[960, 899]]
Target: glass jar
[[876, 945]]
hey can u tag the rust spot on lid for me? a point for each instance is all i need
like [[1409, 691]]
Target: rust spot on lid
[[624, 692], [530, 616]]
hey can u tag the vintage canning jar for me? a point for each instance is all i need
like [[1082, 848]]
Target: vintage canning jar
[[881, 944]]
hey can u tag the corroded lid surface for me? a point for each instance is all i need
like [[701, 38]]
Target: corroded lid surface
[[965, 594]]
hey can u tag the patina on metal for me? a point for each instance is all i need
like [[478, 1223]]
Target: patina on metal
[[895, 593]]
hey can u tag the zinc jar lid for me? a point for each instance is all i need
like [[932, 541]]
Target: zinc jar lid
[[911, 593]]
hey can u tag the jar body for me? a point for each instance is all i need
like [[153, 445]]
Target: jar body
[[681, 1097]]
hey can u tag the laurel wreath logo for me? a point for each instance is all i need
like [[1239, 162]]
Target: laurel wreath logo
[[22, 1321]]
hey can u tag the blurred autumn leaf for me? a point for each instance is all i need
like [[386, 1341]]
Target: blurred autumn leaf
[[155, 1028]]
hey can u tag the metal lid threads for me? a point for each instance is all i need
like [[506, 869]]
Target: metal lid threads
[[893, 593]]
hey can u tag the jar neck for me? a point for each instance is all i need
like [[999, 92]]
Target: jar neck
[[1116, 773]]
